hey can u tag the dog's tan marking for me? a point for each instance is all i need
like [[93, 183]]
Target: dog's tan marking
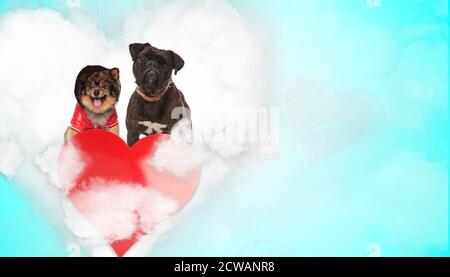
[[115, 130], [69, 134]]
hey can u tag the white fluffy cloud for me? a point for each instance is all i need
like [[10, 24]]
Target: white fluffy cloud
[[62, 165], [184, 156], [41, 54], [118, 210], [10, 157]]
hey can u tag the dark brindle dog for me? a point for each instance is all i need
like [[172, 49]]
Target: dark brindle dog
[[156, 105]]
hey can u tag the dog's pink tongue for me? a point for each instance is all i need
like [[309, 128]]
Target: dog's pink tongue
[[97, 103]]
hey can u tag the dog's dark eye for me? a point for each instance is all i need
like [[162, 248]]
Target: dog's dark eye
[[142, 58]]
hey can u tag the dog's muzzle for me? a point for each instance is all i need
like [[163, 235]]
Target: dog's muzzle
[[151, 76], [149, 81]]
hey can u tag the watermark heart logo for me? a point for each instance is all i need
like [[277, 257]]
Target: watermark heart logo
[[328, 121], [122, 191]]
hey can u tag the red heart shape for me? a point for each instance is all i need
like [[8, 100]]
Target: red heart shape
[[121, 170]]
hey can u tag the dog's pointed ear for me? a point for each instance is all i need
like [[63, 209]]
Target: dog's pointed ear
[[136, 48], [115, 73], [177, 61]]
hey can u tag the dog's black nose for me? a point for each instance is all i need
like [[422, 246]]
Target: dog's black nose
[[96, 92], [151, 74]]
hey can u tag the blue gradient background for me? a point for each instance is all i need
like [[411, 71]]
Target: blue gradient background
[[389, 190]]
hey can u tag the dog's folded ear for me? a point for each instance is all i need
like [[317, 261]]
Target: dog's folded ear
[[136, 48], [115, 73], [177, 61]]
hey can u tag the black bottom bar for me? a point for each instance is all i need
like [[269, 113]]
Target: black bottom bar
[[223, 266]]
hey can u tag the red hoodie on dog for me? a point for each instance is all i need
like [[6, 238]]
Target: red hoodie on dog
[[81, 122]]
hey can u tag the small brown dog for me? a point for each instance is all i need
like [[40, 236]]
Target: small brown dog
[[97, 90]]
